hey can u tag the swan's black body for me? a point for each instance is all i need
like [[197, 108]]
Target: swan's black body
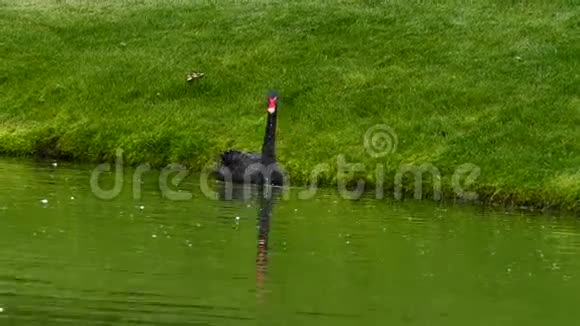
[[243, 167]]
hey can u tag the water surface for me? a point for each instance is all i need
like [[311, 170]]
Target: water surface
[[70, 258]]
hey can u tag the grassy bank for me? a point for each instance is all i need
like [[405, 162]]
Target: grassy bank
[[488, 83]]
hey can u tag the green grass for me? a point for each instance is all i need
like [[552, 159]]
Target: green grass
[[492, 83]]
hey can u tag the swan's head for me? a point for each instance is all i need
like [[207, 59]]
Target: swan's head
[[272, 102]]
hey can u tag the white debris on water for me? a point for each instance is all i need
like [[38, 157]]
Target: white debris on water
[[141, 207], [44, 201], [237, 218], [72, 197], [1, 309], [154, 235], [54, 164], [566, 277]]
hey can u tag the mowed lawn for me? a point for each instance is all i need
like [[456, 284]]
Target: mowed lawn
[[491, 83]]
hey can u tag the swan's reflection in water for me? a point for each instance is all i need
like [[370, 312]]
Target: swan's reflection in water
[[266, 197]]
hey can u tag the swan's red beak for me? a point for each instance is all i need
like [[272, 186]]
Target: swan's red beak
[[272, 104]]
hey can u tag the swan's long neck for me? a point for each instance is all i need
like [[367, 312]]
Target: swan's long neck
[[269, 147]]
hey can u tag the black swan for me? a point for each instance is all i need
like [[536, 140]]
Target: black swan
[[242, 167]]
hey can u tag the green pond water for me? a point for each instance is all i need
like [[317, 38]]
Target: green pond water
[[68, 257]]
